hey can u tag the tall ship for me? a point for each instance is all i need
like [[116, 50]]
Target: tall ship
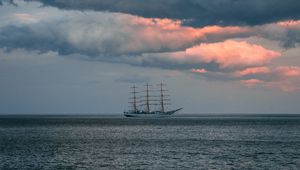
[[149, 102]]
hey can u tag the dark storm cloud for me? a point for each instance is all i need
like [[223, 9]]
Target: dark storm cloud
[[194, 12]]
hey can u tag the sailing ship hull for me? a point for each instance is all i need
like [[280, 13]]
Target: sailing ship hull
[[145, 115], [150, 114]]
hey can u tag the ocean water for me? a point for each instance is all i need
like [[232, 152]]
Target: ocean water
[[199, 142]]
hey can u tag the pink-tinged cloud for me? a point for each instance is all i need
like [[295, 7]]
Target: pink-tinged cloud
[[288, 71], [290, 24], [202, 70], [286, 78], [166, 35], [176, 25], [251, 82], [253, 71], [240, 58], [228, 54]]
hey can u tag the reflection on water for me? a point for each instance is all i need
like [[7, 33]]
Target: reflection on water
[[172, 143]]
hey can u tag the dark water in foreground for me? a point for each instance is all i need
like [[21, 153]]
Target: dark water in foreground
[[218, 142]]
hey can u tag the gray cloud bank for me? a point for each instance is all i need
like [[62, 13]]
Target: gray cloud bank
[[194, 12]]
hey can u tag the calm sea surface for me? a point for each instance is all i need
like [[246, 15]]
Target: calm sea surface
[[203, 142]]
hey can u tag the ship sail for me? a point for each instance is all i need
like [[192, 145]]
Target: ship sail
[[147, 104]]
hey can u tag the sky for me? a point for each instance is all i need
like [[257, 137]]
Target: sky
[[217, 56]]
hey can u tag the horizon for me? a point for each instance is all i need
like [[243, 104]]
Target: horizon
[[175, 115]]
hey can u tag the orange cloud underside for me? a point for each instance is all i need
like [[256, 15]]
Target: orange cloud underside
[[175, 25], [228, 54], [253, 70], [251, 82], [171, 33]]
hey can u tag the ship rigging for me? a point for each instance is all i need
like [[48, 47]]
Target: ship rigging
[[145, 104]]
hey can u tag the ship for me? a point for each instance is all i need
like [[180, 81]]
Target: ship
[[144, 104]]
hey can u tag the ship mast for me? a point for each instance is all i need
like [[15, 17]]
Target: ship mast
[[147, 98], [162, 97], [134, 98], [160, 102]]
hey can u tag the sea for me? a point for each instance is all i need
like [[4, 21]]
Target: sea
[[179, 142]]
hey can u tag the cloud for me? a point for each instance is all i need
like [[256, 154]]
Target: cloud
[[166, 43], [26, 18], [98, 34], [234, 61], [289, 23], [228, 54], [283, 77], [286, 78], [253, 71], [201, 70], [209, 58], [251, 82], [286, 32], [194, 12], [288, 71], [2, 2]]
